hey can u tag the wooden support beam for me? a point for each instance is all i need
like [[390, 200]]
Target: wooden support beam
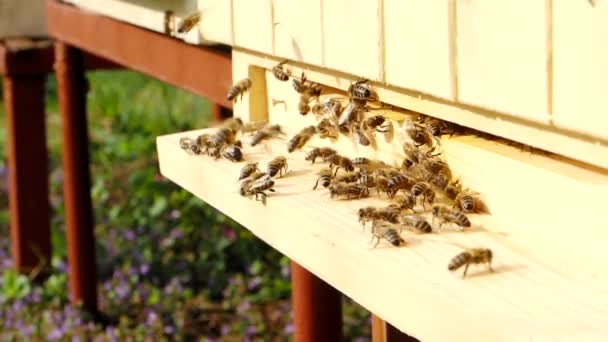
[[384, 332], [71, 88]]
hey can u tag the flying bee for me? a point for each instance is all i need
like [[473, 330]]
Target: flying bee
[[405, 202], [339, 162], [350, 190], [253, 126], [448, 215], [265, 133], [248, 170], [325, 177], [299, 140], [350, 117], [425, 190], [471, 204], [399, 182], [277, 166], [419, 134], [361, 90], [232, 152], [380, 124], [259, 187], [239, 89], [388, 233], [368, 165], [280, 73], [361, 137], [326, 129], [189, 22], [471, 256], [417, 223], [319, 152], [304, 104]]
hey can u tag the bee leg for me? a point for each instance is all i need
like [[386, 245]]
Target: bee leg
[[466, 268], [316, 184], [377, 241], [335, 173], [490, 266]]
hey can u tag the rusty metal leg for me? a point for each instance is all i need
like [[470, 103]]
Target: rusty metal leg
[[27, 173], [384, 332], [317, 307], [72, 88], [219, 113]]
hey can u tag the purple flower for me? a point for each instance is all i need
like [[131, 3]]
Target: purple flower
[[144, 269], [169, 330], [254, 282], [55, 334], [225, 329], [75, 338], [129, 235], [151, 317], [175, 214], [250, 331], [176, 233], [288, 330], [243, 307], [285, 271], [110, 334], [122, 291], [230, 234]]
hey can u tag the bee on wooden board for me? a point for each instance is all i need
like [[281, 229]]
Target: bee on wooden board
[[424, 190], [471, 256], [299, 140], [339, 162], [348, 190], [221, 137], [265, 133], [253, 126], [259, 188], [448, 215], [436, 127], [326, 129], [319, 152], [419, 135], [469, 203], [185, 143], [380, 124], [189, 22], [280, 73], [374, 181], [385, 231], [361, 90], [368, 165], [248, 170], [350, 117], [373, 214], [417, 223], [277, 166], [239, 89], [404, 201], [329, 107], [325, 178], [232, 152], [234, 124], [399, 182], [453, 188]]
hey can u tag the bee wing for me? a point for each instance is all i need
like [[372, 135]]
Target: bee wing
[[189, 22], [390, 132]]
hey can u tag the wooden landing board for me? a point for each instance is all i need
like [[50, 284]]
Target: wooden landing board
[[547, 231]]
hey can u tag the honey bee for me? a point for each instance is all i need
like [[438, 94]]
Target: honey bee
[[373, 214], [388, 233], [380, 124], [248, 170], [234, 124], [189, 22], [299, 140], [447, 215], [319, 152], [303, 86], [413, 155], [245, 185], [361, 137], [350, 190], [223, 136], [436, 127], [453, 189], [232, 152], [253, 126], [436, 167], [339, 162], [360, 90], [265, 133], [328, 107], [417, 223], [186, 143], [404, 202], [399, 182], [280, 73], [347, 177], [350, 117], [304, 104], [258, 189], [471, 204], [238, 89], [368, 165], [325, 177], [277, 166], [425, 190], [326, 129], [419, 134], [471, 256], [374, 181]]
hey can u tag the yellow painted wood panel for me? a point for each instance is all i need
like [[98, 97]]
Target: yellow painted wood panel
[[502, 56], [253, 25], [23, 18], [351, 38], [298, 33], [580, 60], [417, 46], [216, 23]]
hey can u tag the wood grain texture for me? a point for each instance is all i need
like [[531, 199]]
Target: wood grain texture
[[580, 66], [549, 281], [298, 30], [417, 46], [216, 23], [502, 56], [253, 25], [23, 18]]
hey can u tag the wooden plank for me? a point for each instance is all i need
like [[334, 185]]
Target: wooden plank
[[503, 65], [253, 25], [352, 41], [23, 18], [417, 43], [298, 30], [216, 22], [564, 142], [549, 280], [580, 63]]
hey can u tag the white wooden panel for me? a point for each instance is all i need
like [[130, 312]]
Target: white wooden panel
[[23, 18], [417, 45], [502, 56], [216, 23], [352, 37], [580, 61], [253, 25], [298, 33]]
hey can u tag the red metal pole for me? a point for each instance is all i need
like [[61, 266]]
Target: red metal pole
[[384, 332], [317, 307], [71, 91], [27, 173]]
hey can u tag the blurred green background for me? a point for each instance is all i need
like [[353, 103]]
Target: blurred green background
[[170, 267]]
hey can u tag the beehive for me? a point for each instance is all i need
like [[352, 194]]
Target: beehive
[[538, 82]]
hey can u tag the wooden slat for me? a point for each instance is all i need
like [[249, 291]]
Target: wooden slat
[[543, 287], [253, 25], [299, 30]]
